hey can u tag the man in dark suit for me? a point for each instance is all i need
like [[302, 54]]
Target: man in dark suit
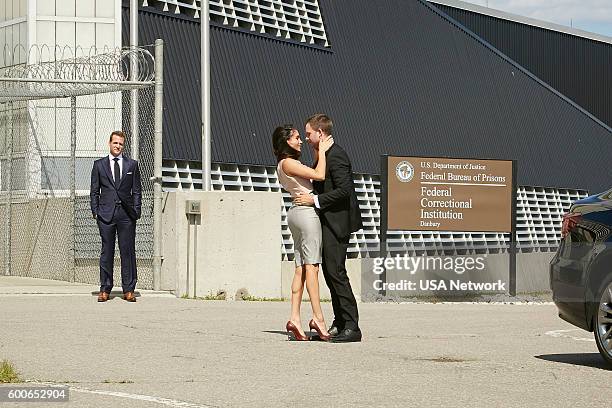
[[340, 216], [116, 199]]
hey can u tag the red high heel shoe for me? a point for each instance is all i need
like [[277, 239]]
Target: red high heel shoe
[[314, 326], [291, 328]]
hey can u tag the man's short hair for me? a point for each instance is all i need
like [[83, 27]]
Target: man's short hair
[[116, 133], [322, 122]]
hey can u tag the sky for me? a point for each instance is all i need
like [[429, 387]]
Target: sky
[[588, 15]]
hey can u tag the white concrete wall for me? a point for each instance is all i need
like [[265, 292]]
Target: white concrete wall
[[238, 244], [532, 275], [533, 272], [353, 268]]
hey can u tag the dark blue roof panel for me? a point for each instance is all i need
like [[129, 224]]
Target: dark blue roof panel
[[400, 78]]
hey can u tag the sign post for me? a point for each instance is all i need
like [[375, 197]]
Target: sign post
[[513, 243], [382, 233]]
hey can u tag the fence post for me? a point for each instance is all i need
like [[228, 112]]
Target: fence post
[[73, 130], [157, 163], [9, 199]]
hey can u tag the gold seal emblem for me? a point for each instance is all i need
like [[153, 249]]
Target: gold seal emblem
[[404, 171]]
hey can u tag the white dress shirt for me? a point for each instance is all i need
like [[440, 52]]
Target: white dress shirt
[[112, 164]]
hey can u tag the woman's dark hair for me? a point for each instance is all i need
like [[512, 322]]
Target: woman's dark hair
[[279, 143]]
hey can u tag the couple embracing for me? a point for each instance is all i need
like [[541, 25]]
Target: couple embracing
[[323, 216]]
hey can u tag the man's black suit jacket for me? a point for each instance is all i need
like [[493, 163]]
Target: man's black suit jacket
[[336, 194], [104, 195]]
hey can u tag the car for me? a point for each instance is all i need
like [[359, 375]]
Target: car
[[581, 269]]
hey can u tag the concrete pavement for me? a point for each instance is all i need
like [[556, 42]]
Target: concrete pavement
[[17, 285], [164, 351]]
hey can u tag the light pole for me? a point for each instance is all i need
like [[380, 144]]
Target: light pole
[[205, 71], [134, 76]]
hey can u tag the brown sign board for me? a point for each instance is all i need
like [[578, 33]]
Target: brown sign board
[[446, 194]]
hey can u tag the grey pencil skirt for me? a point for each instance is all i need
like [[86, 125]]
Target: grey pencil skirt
[[305, 228]]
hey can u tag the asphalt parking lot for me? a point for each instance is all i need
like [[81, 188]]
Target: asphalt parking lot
[[164, 351]]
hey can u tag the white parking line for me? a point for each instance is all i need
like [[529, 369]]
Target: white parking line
[[139, 397], [563, 333]]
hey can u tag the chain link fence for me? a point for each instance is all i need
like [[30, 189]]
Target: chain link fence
[[47, 150]]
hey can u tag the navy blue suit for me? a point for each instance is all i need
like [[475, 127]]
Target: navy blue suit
[[116, 209]]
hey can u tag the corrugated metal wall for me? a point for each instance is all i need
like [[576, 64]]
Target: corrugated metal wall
[[182, 112], [399, 78], [579, 68]]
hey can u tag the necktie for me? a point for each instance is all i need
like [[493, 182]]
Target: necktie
[[117, 171]]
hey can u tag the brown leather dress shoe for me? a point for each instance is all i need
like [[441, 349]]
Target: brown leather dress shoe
[[102, 297], [129, 297]]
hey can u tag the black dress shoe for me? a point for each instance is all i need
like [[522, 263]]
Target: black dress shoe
[[347, 336], [333, 331]]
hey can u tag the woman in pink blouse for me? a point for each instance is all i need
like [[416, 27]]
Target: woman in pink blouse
[[296, 178]]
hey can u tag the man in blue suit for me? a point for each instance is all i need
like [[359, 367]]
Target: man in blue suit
[[116, 197]]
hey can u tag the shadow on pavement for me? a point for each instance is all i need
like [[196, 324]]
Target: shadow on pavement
[[594, 360], [313, 335], [282, 333], [116, 293]]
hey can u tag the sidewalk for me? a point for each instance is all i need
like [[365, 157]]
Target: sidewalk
[[20, 286]]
